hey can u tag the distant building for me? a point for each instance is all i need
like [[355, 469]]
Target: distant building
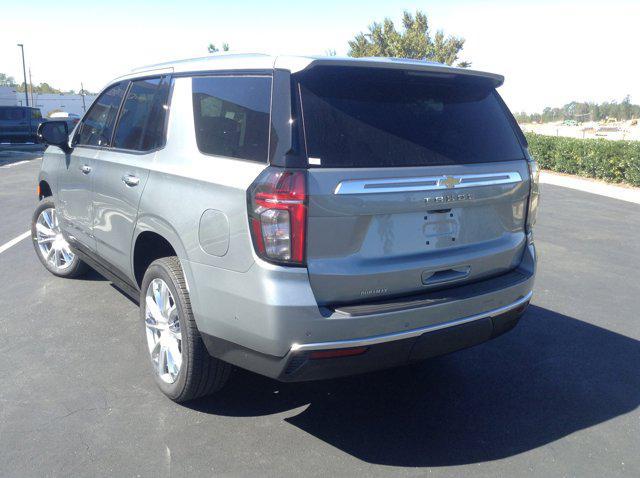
[[48, 103], [7, 96]]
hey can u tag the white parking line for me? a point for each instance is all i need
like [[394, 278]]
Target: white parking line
[[13, 242], [11, 165]]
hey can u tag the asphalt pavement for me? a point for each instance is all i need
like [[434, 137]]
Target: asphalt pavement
[[557, 396]]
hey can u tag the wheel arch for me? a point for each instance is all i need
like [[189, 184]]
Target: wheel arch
[[44, 189], [48, 174], [154, 238]]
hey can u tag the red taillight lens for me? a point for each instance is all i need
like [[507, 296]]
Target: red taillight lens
[[278, 215]]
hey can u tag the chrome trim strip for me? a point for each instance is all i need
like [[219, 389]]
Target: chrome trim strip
[[379, 339], [430, 183]]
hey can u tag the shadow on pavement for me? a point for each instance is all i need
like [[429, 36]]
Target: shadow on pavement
[[549, 377], [93, 275], [13, 153]]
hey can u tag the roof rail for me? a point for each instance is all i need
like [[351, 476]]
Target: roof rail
[[212, 56]]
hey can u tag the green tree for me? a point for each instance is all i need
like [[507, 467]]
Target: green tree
[[626, 108], [213, 49], [6, 80], [41, 88], [585, 111], [414, 41]]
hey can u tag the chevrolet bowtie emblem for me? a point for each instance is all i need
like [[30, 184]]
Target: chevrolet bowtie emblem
[[449, 182]]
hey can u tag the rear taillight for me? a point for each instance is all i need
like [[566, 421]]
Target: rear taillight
[[534, 194], [277, 204]]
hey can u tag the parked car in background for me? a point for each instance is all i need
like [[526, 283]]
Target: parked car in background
[[19, 124], [71, 119], [303, 218]]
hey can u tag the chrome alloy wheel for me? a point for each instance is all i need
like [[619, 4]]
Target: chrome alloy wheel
[[164, 338], [51, 244]]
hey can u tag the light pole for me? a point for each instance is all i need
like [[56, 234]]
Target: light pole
[[31, 87], [24, 72], [84, 108]]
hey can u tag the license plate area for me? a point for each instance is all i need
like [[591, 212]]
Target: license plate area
[[440, 228]]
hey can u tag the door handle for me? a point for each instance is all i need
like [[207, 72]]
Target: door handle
[[130, 180], [85, 169], [446, 275]]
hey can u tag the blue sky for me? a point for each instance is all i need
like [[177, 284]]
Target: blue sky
[[550, 52]]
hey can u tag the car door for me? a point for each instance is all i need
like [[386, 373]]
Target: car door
[[75, 178], [123, 169], [6, 124], [14, 124]]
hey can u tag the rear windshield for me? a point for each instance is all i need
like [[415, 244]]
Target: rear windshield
[[361, 117]]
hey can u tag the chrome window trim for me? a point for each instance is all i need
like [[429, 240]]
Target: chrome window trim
[[429, 183], [379, 339]]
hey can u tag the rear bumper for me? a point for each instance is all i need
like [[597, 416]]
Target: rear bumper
[[373, 353], [271, 325], [408, 334]]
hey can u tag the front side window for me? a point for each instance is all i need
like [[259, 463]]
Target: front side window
[[141, 123], [35, 114], [97, 125], [231, 115]]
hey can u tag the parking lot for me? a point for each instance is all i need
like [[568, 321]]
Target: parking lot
[[557, 396]]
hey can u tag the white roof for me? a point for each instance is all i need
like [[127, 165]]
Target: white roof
[[258, 61], [63, 114]]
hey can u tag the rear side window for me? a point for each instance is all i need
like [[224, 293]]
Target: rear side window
[[142, 119], [12, 114], [97, 125], [231, 115], [360, 117]]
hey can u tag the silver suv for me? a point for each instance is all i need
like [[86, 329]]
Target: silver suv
[[302, 218]]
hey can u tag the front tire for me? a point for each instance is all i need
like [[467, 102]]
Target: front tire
[[51, 247], [182, 367]]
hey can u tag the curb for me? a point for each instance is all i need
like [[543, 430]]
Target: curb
[[629, 194]]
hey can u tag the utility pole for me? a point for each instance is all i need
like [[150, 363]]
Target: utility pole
[[84, 108], [31, 87], [24, 72]]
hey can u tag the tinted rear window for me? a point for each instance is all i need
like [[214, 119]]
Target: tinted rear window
[[357, 117], [231, 116], [12, 114]]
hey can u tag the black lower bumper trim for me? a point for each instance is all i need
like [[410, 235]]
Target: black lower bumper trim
[[295, 367]]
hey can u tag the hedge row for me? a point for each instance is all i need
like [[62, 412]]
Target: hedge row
[[615, 161]]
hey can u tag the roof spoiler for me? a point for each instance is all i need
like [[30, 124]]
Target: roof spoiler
[[296, 64]]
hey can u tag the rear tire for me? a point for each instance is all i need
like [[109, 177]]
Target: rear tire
[[182, 367], [51, 247]]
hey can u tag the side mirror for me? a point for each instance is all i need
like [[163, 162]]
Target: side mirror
[[54, 133]]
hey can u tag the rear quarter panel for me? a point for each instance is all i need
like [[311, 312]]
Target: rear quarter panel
[[183, 184]]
